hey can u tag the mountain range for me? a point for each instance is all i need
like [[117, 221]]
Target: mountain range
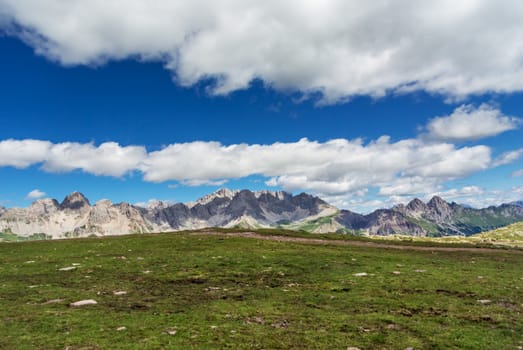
[[76, 217]]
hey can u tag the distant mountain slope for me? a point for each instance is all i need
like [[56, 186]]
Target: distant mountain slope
[[434, 218], [75, 216]]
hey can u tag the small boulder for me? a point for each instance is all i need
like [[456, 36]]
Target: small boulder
[[68, 268]]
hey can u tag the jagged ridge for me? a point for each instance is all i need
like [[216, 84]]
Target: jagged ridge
[[75, 216]]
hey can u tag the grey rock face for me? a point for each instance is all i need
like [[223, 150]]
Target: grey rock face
[[74, 201]]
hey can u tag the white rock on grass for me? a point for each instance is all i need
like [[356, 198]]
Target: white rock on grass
[[83, 303], [119, 292], [361, 274], [122, 328], [68, 268], [170, 331]]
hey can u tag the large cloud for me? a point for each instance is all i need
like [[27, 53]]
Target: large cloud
[[343, 171], [339, 48], [333, 167]]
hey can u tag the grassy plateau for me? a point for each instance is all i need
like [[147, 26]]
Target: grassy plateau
[[218, 291]]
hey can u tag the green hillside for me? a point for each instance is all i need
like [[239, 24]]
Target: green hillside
[[512, 232], [185, 291]]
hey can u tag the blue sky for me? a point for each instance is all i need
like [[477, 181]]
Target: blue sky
[[130, 118]]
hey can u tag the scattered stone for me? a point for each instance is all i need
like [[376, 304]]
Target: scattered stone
[[255, 319], [122, 257], [281, 324], [420, 271], [214, 327], [75, 264], [409, 348], [119, 292], [480, 277], [139, 258], [122, 328], [83, 303], [69, 268], [34, 286], [147, 271], [170, 331], [29, 262], [399, 265], [53, 301], [484, 301], [396, 272], [353, 259], [392, 326], [360, 274], [353, 348]]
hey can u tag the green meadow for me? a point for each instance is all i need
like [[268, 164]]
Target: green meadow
[[214, 291]]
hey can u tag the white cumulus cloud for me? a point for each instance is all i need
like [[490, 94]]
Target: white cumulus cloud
[[470, 123], [23, 153], [109, 158], [36, 194], [338, 48]]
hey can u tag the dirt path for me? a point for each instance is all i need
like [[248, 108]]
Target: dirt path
[[318, 241]]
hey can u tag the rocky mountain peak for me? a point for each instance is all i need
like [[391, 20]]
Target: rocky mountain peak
[[44, 206], [440, 210], [74, 201], [221, 193], [437, 203], [277, 194], [416, 205]]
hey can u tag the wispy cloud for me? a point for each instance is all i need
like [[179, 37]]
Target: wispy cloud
[[337, 48], [508, 157], [36, 194]]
